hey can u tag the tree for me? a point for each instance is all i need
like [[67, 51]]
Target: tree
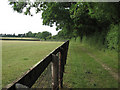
[[75, 18], [29, 34], [38, 35], [46, 34], [72, 16], [52, 13]]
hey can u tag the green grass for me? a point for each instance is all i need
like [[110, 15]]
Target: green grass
[[19, 56], [82, 71], [107, 57]]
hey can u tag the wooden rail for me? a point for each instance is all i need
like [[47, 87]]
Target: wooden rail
[[29, 78]]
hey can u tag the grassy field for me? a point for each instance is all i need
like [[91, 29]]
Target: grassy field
[[89, 68], [86, 67], [19, 56]]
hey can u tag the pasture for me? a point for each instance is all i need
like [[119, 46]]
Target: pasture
[[19, 56]]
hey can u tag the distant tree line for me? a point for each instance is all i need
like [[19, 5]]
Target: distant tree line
[[41, 35]]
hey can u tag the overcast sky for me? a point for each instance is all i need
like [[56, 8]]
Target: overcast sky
[[13, 22]]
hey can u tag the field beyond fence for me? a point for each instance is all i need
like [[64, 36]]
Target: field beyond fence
[[54, 63]]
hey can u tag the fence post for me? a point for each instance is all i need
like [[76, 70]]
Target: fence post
[[60, 70], [66, 50], [62, 62], [55, 68]]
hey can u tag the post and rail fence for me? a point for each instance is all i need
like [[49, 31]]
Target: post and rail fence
[[52, 66]]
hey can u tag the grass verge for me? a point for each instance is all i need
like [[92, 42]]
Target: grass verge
[[82, 71]]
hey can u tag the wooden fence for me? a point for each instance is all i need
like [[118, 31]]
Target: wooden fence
[[58, 63]]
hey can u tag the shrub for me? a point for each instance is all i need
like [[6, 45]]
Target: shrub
[[112, 37]]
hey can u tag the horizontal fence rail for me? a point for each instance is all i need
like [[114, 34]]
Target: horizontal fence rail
[[57, 60]]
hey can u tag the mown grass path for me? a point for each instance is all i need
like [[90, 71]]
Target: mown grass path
[[89, 68], [109, 69]]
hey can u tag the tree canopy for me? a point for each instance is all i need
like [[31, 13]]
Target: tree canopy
[[75, 18], [73, 15]]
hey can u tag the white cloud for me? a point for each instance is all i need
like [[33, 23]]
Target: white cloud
[[13, 22]]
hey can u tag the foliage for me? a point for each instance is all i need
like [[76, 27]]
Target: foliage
[[29, 34], [40, 35], [112, 37], [77, 19], [101, 12], [45, 34]]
